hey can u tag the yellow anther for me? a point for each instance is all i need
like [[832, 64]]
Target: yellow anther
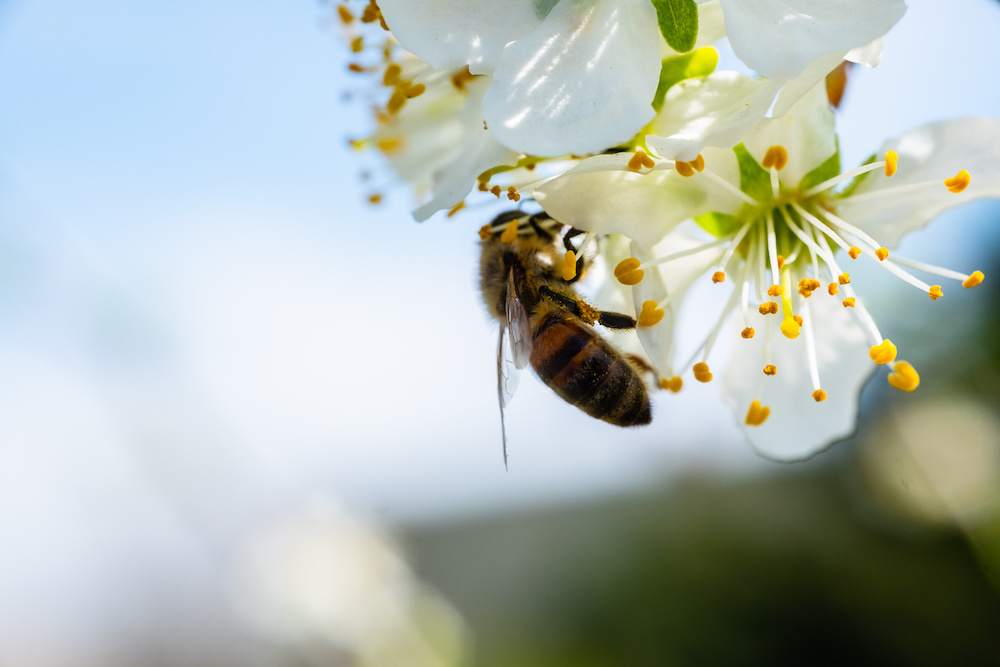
[[757, 414], [674, 384], [414, 91], [958, 182], [345, 14], [510, 232], [569, 265], [701, 372], [854, 252], [781, 262], [807, 286], [935, 292], [832, 288], [391, 75], [776, 156], [797, 319], [628, 272], [496, 190], [396, 101], [640, 160], [389, 144], [849, 302], [904, 377], [375, 198], [770, 369], [486, 232], [456, 208], [790, 328], [357, 44], [684, 169], [698, 163], [973, 280], [890, 162], [719, 276], [883, 353], [747, 333], [651, 314], [844, 278], [819, 395], [356, 68], [768, 308], [512, 194], [882, 253], [774, 290]]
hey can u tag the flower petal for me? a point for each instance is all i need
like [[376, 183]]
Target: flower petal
[[582, 81], [780, 38], [933, 152], [718, 110], [799, 427], [456, 33], [603, 195]]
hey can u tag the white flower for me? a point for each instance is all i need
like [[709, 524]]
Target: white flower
[[570, 76], [775, 217]]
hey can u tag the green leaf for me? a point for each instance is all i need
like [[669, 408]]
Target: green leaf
[[719, 224], [829, 169], [678, 21], [754, 179], [675, 69]]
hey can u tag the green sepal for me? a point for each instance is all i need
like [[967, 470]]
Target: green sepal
[[849, 190], [829, 169], [754, 179], [675, 69], [678, 21], [718, 224]]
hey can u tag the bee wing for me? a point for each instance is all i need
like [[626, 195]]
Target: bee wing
[[513, 352]]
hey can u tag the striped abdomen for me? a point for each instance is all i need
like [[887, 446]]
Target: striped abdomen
[[586, 371]]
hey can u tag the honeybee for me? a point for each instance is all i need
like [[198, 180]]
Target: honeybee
[[544, 322]]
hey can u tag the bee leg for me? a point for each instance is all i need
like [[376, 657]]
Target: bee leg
[[588, 313], [618, 321], [644, 369]]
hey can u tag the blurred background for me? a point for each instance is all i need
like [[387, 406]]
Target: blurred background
[[247, 418]]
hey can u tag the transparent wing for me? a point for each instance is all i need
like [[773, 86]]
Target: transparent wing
[[513, 352]]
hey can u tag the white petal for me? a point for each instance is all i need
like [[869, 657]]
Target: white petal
[[780, 38], [456, 33], [812, 76], [721, 109], [799, 427], [869, 55], [806, 132], [581, 82], [602, 195], [931, 153]]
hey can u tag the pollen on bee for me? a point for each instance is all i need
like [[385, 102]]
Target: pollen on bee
[[819, 395], [832, 288], [854, 252], [674, 384], [770, 369], [512, 194], [586, 312], [882, 253], [486, 232], [768, 308], [891, 158], [976, 278], [774, 290], [640, 160], [849, 302], [958, 182], [904, 377], [569, 266], [757, 414], [883, 353], [747, 333], [510, 232], [628, 272], [701, 372], [935, 292], [719, 276], [651, 314], [776, 156], [844, 278]]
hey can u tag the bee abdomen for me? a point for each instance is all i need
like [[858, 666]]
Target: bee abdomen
[[586, 371]]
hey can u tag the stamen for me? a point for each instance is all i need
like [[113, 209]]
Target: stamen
[[935, 270], [811, 355], [734, 244], [757, 414], [770, 369], [844, 278], [846, 176], [791, 324], [345, 14], [891, 158], [698, 163], [832, 289], [496, 190], [719, 276], [772, 248], [776, 156], [701, 372], [958, 182], [628, 272], [904, 377], [456, 208], [774, 290], [512, 194], [849, 302], [819, 395], [883, 353], [976, 278], [391, 75], [684, 253], [486, 232], [732, 189], [674, 384], [747, 333], [569, 266], [358, 44], [651, 314], [510, 231], [882, 253], [935, 292], [768, 308], [684, 169], [854, 252], [640, 160]]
